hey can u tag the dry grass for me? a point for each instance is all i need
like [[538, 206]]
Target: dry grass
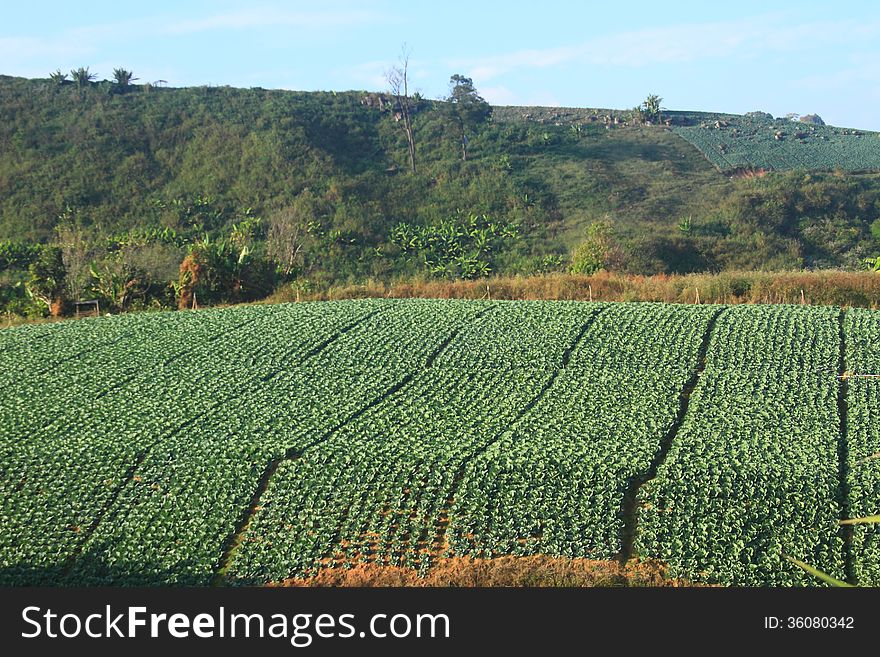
[[839, 288], [505, 571]]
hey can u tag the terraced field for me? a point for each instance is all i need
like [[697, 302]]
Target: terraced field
[[731, 141], [253, 444]]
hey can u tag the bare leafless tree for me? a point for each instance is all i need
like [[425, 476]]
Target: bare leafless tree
[[289, 232], [398, 83], [78, 249]]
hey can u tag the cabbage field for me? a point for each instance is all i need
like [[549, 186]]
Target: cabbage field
[[252, 444], [731, 141]]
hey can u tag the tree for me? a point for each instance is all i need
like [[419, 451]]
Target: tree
[[123, 78], [217, 271], [82, 76], [47, 280], [651, 107], [398, 83], [119, 283], [465, 109], [58, 77], [77, 244], [598, 251], [290, 232]]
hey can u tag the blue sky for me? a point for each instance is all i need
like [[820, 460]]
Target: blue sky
[[804, 57]]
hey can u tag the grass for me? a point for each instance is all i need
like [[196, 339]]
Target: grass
[[830, 287]]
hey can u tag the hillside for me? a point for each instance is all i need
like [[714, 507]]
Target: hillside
[[733, 142], [258, 443], [118, 169]]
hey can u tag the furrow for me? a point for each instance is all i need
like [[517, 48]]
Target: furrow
[[629, 508], [292, 454], [438, 543]]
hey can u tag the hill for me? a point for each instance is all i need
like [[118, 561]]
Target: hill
[[154, 170], [259, 443]]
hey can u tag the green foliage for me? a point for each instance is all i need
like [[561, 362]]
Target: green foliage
[[875, 230], [165, 167], [815, 572], [459, 247], [82, 76], [650, 107], [861, 360], [465, 110], [224, 270], [120, 286], [404, 478], [123, 78], [15, 255], [47, 282], [545, 489], [599, 250]]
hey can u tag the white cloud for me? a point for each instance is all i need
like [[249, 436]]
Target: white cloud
[[84, 39], [21, 49], [745, 39], [499, 96], [369, 75]]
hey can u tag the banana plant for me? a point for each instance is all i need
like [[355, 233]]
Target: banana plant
[[873, 263]]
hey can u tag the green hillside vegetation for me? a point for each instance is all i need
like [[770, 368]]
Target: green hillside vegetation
[[161, 197]]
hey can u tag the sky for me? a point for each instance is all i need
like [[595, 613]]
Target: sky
[[805, 57]]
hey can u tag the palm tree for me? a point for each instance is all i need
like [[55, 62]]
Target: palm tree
[[82, 76], [122, 77], [58, 77]]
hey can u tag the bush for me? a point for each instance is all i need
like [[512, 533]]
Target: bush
[[598, 251]]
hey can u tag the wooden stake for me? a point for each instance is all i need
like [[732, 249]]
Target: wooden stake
[[803, 298], [698, 295], [589, 285]]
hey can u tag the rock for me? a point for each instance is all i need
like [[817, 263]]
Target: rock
[[813, 119]]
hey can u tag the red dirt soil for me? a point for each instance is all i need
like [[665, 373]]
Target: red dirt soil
[[505, 571]]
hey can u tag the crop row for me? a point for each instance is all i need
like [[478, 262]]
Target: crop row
[[379, 490], [57, 482], [172, 522], [862, 361], [744, 142], [256, 443], [752, 475], [556, 484]]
